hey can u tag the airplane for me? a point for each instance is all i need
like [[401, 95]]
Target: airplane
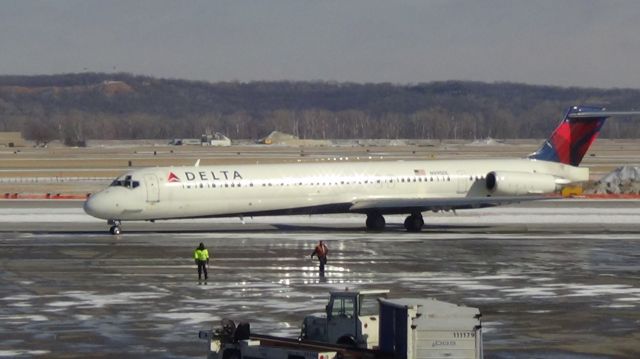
[[374, 189]]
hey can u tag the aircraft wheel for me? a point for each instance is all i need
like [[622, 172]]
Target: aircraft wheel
[[414, 223], [115, 230], [375, 222]]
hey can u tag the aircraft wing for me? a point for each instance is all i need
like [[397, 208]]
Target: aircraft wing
[[408, 205]]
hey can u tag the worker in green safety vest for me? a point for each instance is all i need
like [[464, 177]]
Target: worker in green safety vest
[[201, 256]]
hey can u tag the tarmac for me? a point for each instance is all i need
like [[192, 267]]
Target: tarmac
[[553, 279]]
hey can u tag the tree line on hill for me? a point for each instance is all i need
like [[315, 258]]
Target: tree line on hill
[[77, 107]]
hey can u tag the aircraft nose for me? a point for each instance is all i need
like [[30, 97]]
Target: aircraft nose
[[97, 206]]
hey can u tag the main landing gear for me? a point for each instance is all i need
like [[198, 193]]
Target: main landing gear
[[375, 222], [414, 222], [115, 226]]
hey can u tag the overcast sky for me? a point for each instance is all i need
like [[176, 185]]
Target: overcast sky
[[556, 42]]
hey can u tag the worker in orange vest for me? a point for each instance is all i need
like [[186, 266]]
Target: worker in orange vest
[[321, 252]]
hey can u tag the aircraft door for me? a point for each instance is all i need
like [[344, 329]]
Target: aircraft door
[[153, 188]]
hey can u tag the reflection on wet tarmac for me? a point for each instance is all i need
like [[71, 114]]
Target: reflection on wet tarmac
[[548, 295]]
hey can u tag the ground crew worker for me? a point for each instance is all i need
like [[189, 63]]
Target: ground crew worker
[[201, 256], [321, 251]]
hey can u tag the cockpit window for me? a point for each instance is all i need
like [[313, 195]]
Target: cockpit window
[[126, 182]]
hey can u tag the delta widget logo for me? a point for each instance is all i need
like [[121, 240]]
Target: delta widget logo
[[173, 177]]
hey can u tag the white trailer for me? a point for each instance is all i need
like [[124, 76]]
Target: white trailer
[[429, 329]]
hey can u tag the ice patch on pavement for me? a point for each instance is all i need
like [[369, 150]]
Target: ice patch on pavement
[[598, 290], [92, 300], [17, 353], [189, 318], [24, 297], [490, 327], [529, 292], [616, 306], [31, 318], [629, 299]]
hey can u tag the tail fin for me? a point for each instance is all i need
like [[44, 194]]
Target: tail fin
[[575, 134]]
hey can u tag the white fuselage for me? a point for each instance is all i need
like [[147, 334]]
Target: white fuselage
[[303, 188]]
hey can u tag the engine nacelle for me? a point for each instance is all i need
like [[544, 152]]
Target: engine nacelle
[[505, 183]]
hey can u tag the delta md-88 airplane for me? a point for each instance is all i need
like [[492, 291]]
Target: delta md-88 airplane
[[374, 189]]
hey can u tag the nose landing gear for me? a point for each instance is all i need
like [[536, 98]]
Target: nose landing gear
[[115, 226]]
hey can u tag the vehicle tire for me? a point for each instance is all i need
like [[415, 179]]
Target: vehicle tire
[[347, 341], [231, 354]]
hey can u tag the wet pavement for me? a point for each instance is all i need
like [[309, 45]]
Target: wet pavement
[[549, 290]]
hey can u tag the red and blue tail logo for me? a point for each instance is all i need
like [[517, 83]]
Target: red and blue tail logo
[[172, 177], [573, 137]]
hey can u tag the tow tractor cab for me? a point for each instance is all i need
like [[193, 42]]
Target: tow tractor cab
[[351, 318]]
